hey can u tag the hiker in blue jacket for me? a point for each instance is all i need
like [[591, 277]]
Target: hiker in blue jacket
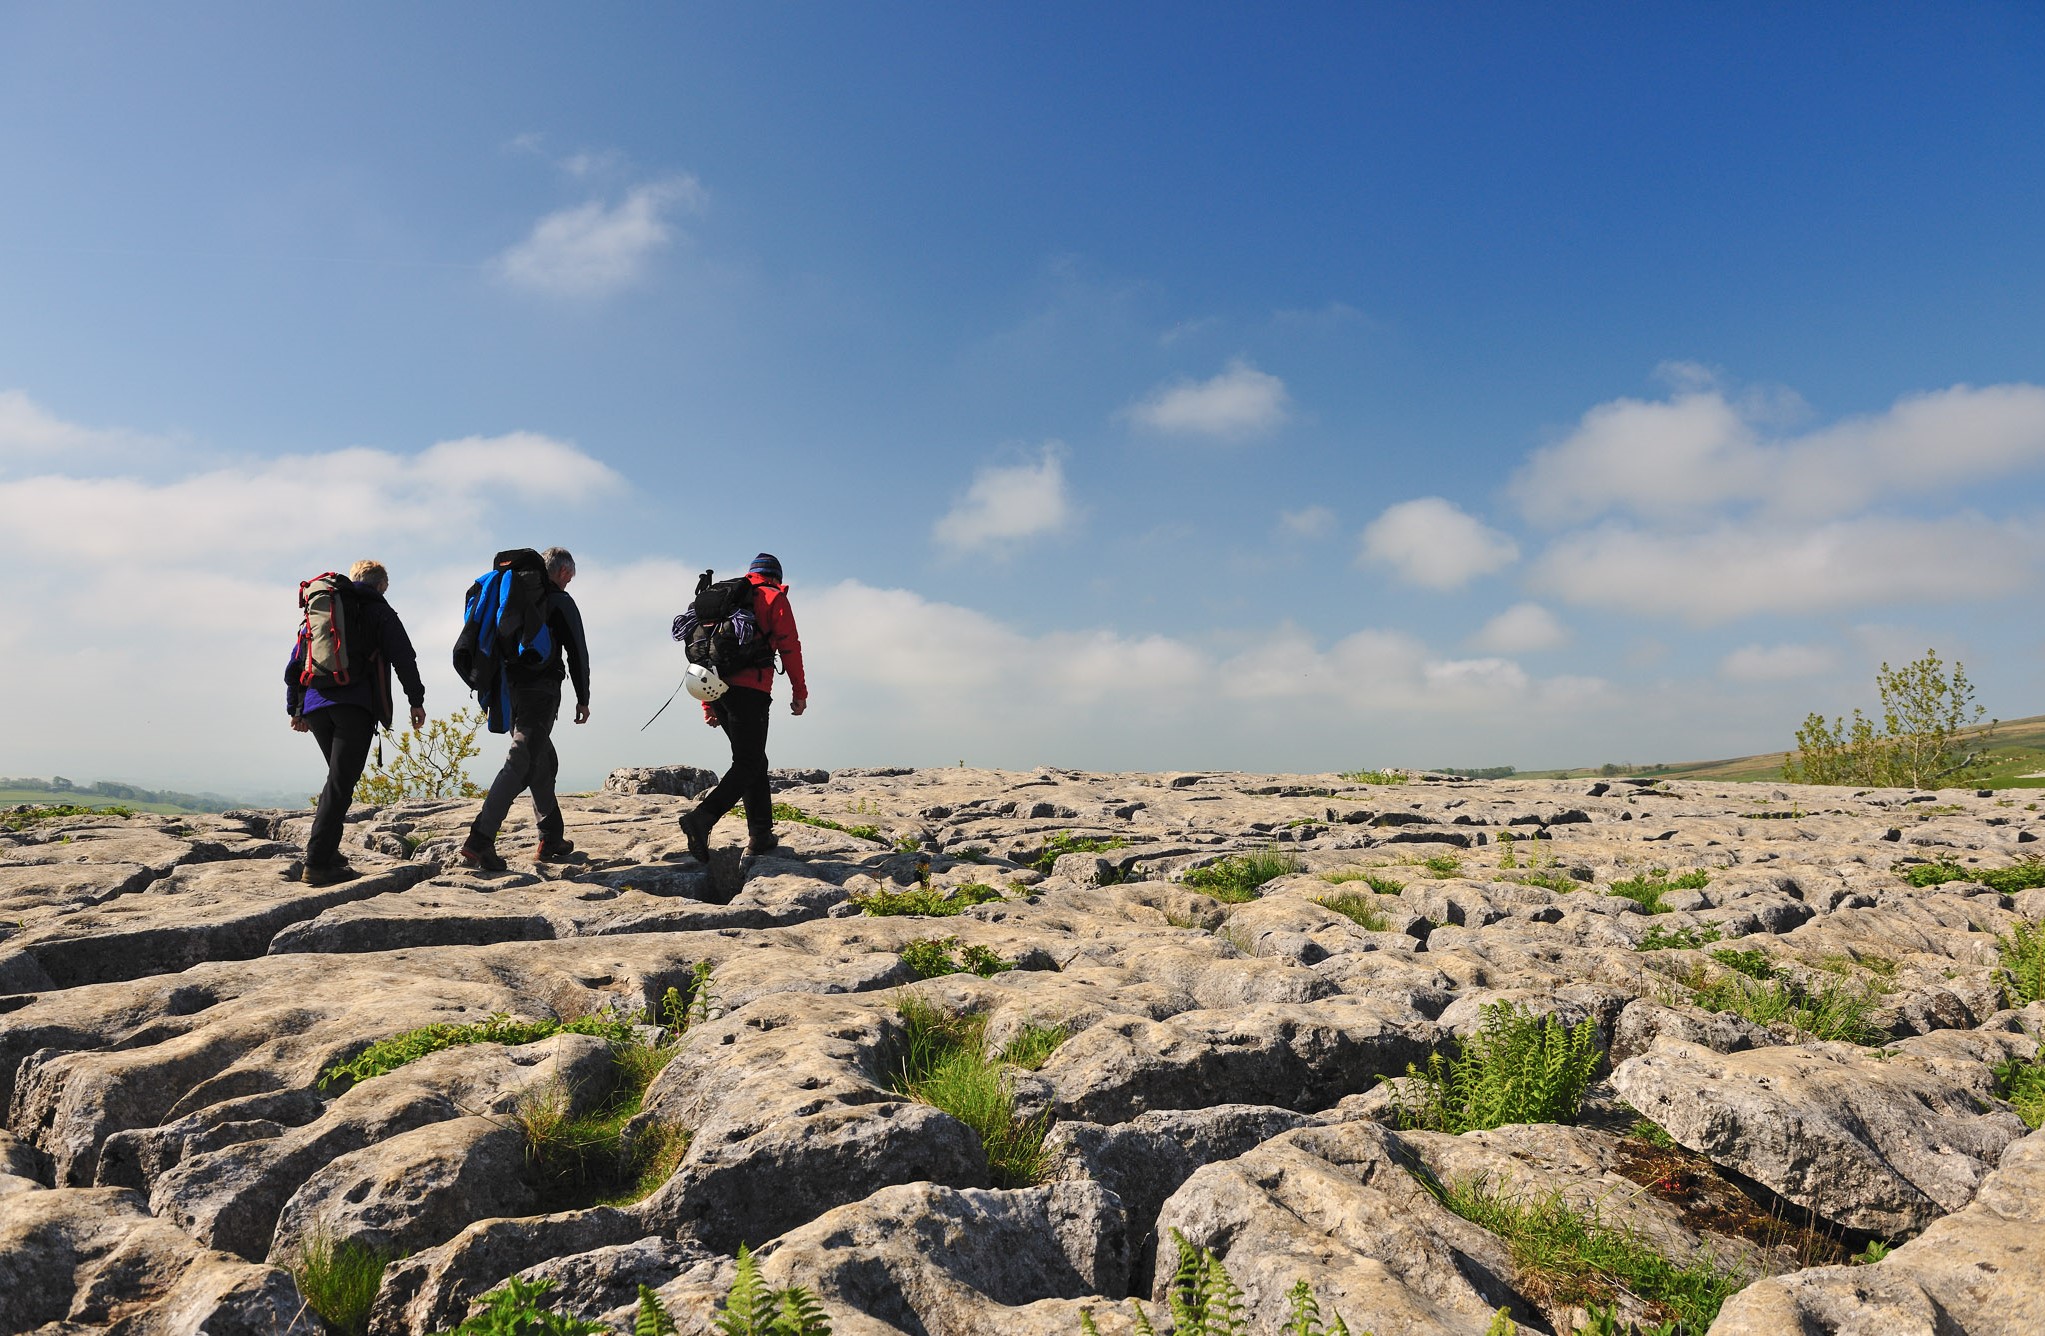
[[344, 718], [532, 762]]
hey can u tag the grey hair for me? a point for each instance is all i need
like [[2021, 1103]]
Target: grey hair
[[559, 559]]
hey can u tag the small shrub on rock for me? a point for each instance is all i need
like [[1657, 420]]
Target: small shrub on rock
[[1517, 1068], [931, 958], [1240, 877], [431, 763]]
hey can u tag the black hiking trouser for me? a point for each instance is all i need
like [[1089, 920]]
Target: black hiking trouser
[[531, 764], [742, 714], [344, 733]]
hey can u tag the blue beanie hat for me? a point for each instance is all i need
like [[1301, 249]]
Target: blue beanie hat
[[766, 564]]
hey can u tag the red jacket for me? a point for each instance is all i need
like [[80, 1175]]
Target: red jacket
[[777, 619]]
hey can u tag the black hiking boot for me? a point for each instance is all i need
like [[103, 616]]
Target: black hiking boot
[[699, 840], [556, 850], [328, 874], [483, 859]]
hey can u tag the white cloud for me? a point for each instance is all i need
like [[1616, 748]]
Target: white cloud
[[596, 249], [1698, 451], [1308, 522], [295, 504], [1523, 628], [1007, 504], [1738, 569], [1239, 403], [1775, 663], [1432, 543], [28, 430]]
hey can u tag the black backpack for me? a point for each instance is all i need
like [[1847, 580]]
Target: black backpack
[[504, 619], [720, 631]]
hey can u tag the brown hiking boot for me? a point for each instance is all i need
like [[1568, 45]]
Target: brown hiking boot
[[328, 874], [482, 860], [554, 851], [756, 847]]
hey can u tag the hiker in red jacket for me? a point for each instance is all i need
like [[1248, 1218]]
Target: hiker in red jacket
[[742, 713]]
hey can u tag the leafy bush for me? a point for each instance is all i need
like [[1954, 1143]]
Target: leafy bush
[[1068, 843], [2022, 1082], [927, 901], [1443, 866], [1920, 742], [1569, 1257], [1676, 939], [2023, 963], [1752, 963], [514, 1309], [1238, 877], [1374, 776], [2003, 880], [1358, 909], [1838, 1010], [35, 814], [932, 957], [1647, 889], [338, 1279], [430, 763], [1517, 1068], [752, 1309], [945, 1065]]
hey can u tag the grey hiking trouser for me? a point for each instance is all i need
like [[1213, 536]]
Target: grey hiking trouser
[[531, 764]]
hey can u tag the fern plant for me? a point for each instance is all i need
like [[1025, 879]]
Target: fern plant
[[753, 1308], [652, 1319], [2023, 963], [1303, 1313], [514, 1309], [1517, 1068]]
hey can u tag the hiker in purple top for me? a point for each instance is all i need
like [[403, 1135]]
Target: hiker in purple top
[[344, 716]]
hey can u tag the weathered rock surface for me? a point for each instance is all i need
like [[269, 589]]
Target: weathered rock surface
[[170, 998]]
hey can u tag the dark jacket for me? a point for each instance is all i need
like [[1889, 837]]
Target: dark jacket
[[393, 650], [569, 656]]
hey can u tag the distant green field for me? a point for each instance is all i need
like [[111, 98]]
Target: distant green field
[[2017, 750], [14, 794]]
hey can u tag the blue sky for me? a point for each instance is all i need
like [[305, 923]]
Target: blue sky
[[1127, 387]]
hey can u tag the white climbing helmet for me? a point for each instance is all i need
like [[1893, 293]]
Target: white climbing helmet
[[703, 684]]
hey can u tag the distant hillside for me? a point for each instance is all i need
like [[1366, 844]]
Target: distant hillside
[[106, 793], [2018, 750]]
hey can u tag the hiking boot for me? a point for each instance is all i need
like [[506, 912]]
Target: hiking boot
[[699, 840], [484, 859], [554, 850], [758, 846], [328, 874]]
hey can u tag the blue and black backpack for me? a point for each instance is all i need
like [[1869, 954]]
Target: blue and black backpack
[[504, 622]]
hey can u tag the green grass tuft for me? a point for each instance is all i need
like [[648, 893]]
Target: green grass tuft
[[1517, 1068], [2023, 876], [1563, 1256], [926, 901], [387, 1055], [338, 1279], [1647, 889], [1752, 963], [1676, 939], [1838, 1010], [945, 1065], [1033, 1045], [1239, 877], [1067, 843], [1361, 910]]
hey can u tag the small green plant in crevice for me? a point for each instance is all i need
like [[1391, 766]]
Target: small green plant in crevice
[[752, 1308], [2023, 963], [1548, 879], [1653, 1133], [1361, 910], [1838, 1009], [2023, 876], [1033, 1045], [1564, 1256], [1066, 842], [927, 901], [387, 1055], [1240, 877], [2021, 1081], [1506, 858], [1647, 889], [944, 1064], [1443, 866], [338, 1279], [1875, 1251], [1752, 963], [1676, 939], [932, 957], [1303, 1314], [972, 853], [790, 812], [516, 1308], [1374, 776], [1204, 1300], [1517, 1068]]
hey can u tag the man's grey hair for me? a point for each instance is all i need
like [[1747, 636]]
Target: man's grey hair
[[559, 559]]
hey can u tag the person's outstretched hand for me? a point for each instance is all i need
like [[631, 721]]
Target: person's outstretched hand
[[418, 717], [798, 705]]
